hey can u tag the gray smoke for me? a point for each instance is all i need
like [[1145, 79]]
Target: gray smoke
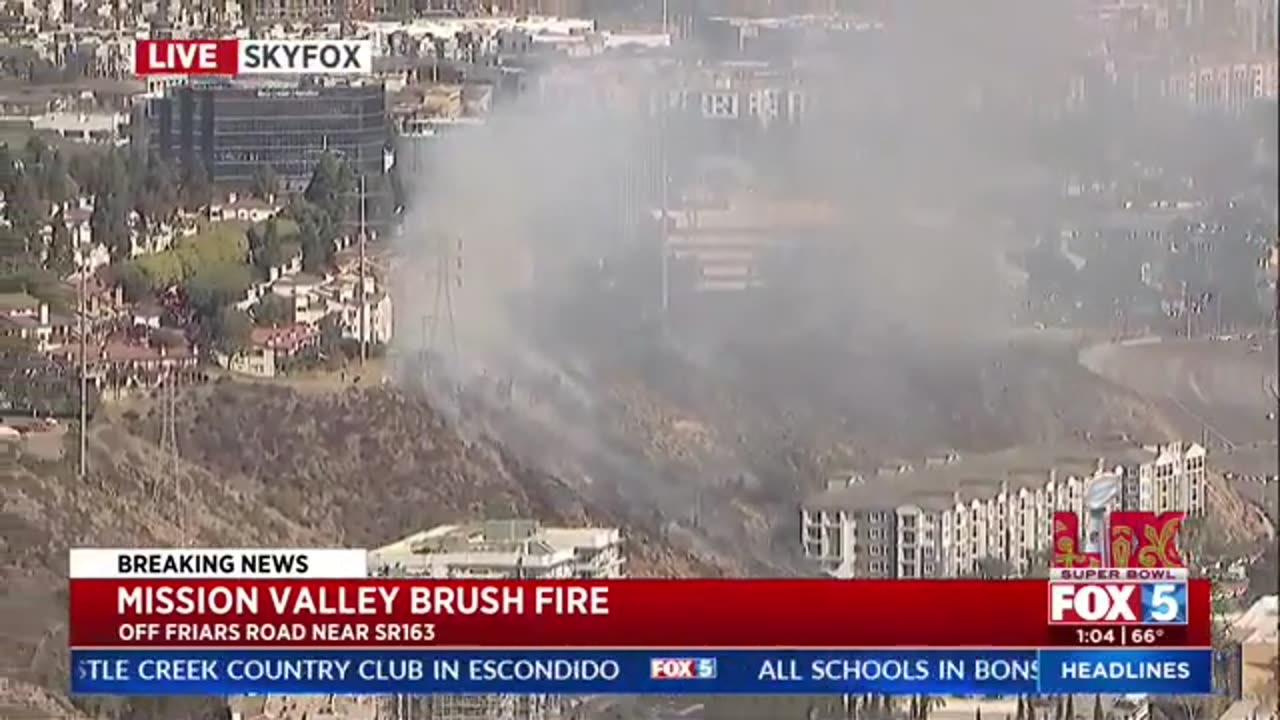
[[917, 138]]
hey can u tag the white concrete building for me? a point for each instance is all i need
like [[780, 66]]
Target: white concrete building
[[511, 549], [503, 549], [951, 516]]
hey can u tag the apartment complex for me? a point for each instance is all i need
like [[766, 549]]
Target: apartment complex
[[1230, 86], [515, 549], [949, 517]]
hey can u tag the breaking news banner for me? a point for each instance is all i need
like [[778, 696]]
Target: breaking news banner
[[234, 57], [284, 621]]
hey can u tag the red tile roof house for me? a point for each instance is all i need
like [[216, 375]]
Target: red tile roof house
[[121, 363], [269, 346]]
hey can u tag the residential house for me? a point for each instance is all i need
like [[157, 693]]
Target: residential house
[[303, 289], [243, 209], [101, 127], [147, 315], [14, 305], [343, 293], [121, 362], [103, 303], [44, 332], [269, 347]]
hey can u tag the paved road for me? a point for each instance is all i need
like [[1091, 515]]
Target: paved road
[[1225, 388]]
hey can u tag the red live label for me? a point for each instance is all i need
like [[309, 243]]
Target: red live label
[[186, 57]]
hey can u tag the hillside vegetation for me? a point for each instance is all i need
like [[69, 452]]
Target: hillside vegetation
[[258, 466]]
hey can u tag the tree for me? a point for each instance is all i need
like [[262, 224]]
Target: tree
[[132, 280], [266, 183], [157, 196], [52, 173], [266, 249], [215, 286], [109, 222], [332, 183], [977, 714], [1022, 709], [232, 329], [83, 167], [8, 170], [272, 310], [1059, 711], [1098, 714], [197, 185], [316, 233], [1070, 712], [61, 258], [25, 210], [13, 249]]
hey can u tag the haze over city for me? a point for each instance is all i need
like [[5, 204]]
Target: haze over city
[[729, 289]]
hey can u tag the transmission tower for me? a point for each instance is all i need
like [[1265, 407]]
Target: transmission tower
[[169, 452], [82, 321], [445, 272]]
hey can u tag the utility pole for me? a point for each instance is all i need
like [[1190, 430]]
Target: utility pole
[[665, 201], [82, 306], [364, 320]]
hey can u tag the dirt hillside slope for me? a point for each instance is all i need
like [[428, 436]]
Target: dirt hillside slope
[[258, 467]]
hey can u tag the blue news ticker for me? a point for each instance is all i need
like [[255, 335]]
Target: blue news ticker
[[631, 672]]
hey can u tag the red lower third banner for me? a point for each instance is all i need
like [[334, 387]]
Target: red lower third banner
[[613, 614]]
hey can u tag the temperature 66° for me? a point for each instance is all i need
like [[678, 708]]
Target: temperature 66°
[[1145, 636]]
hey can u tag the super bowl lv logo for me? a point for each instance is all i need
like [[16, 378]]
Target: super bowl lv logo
[[1122, 539]]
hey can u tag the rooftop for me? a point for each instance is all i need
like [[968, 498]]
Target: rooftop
[[936, 485], [17, 303], [501, 536]]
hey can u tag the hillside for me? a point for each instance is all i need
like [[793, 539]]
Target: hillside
[[259, 466]]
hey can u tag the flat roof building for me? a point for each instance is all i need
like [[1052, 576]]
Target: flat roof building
[[236, 128], [962, 516], [498, 549], [503, 549]]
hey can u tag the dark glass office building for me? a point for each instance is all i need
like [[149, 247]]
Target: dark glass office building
[[234, 128]]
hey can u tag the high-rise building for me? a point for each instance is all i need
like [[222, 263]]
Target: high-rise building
[[235, 128]]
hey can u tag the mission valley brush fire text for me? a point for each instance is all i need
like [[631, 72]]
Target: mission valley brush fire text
[[178, 621]]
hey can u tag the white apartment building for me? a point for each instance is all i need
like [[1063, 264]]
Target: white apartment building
[[503, 549], [1228, 86], [948, 517], [515, 549]]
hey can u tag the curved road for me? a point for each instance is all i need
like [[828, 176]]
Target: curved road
[[1223, 388]]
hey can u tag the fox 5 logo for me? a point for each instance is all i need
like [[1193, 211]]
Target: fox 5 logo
[[1118, 603], [682, 668]]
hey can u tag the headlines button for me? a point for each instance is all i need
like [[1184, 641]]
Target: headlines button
[[1127, 671]]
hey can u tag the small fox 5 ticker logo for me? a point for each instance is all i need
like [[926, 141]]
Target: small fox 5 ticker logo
[[682, 668], [1118, 603]]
